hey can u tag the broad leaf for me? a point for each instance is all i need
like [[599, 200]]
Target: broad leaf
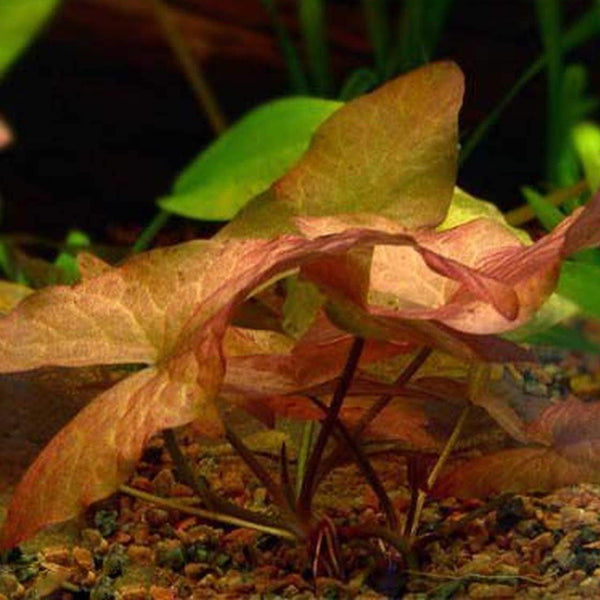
[[572, 455], [392, 152], [11, 294], [20, 20], [247, 158], [168, 308], [476, 277]]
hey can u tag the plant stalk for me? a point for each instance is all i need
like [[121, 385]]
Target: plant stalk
[[310, 477], [191, 69], [273, 529]]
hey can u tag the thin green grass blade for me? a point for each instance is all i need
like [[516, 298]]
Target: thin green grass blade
[[312, 24], [580, 32], [376, 19], [586, 138], [419, 28], [566, 338], [580, 283], [298, 80], [549, 24], [358, 83], [548, 214], [66, 261]]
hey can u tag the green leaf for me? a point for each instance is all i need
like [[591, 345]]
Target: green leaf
[[247, 158], [554, 311], [311, 16], [586, 138], [66, 261], [465, 208], [357, 83], [548, 214], [376, 19], [20, 20], [564, 337], [583, 30], [549, 23], [580, 282], [296, 73]]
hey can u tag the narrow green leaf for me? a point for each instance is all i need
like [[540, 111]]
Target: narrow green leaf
[[549, 23], [298, 82], [586, 138], [358, 83], [247, 158], [20, 21], [548, 214], [376, 18], [580, 283], [584, 29], [573, 103], [312, 24], [66, 261], [419, 29], [554, 311], [564, 337]]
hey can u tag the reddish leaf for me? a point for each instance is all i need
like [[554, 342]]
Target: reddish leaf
[[392, 152], [573, 429], [90, 457]]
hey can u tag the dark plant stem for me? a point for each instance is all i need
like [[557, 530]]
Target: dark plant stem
[[275, 491], [366, 468], [338, 453], [310, 477], [286, 482], [182, 466]]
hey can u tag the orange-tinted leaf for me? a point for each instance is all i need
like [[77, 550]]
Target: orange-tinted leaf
[[392, 152], [90, 457], [574, 457]]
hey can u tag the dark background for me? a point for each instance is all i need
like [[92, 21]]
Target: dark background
[[104, 119]]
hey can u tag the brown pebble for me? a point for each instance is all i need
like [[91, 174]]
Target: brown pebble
[[180, 490], [544, 541], [491, 590], [163, 483], [92, 540], [140, 555], [196, 570], [141, 483], [133, 592], [161, 593], [59, 555], [122, 537], [83, 558], [157, 516]]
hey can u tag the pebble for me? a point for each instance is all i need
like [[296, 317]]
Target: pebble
[[83, 558], [133, 592], [163, 482], [140, 555], [92, 540], [59, 555], [10, 586], [491, 590], [161, 593]]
